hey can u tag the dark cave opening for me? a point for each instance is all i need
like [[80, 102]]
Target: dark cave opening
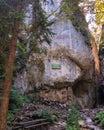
[[100, 91]]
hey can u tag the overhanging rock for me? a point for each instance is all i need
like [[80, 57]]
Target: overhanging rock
[[68, 61]]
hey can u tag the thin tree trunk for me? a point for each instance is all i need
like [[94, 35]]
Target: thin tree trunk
[[8, 78], [96, 59]]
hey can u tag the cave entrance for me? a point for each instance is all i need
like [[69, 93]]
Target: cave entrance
[[85, 93], [100, 92]]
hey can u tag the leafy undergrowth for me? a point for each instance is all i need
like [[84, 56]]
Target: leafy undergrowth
[[99, 118], [31, 112], [16, 102], [46, 115], [22, 109], [72, 119]]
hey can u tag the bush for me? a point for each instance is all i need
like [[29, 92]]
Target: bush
[[16, 99], [10, 115], [100, 118], [46, 115], [72, 119], [16, 102]]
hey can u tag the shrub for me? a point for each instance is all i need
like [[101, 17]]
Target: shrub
[[16, 99], [100, 118], [72, 119], [10, 114], [16, 102], [46, 115]]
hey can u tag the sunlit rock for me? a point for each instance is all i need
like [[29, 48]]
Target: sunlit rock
[[60, 74]]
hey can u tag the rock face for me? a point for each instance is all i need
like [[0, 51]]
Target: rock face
[[69, 62]]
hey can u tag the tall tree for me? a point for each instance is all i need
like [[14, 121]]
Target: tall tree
[[95, 52], [14, 9], [8, 77], [99, 11], [9, 70]]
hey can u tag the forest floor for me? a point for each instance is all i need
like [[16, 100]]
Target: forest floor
[[61, 110], [87, 122]]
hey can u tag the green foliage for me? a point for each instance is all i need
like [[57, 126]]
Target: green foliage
[[8, 14], [36, 33], [21, 57], [99, 9], [71, 6], [16, 99], [40, 31], [100, 118], [74, 13], [46, 115], [16, 102], [10, 115], [72, 119]]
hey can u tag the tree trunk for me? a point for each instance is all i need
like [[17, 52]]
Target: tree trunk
[[8, 78], [96, 59]]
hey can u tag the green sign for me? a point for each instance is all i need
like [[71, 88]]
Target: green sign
[[56, 66]]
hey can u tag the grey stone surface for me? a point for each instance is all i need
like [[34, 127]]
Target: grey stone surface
[[68, 61]]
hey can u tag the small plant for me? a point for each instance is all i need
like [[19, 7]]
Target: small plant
[[16, 99], [10, 115], [100, 118], [72, 119], [16, 102], [46, 115]]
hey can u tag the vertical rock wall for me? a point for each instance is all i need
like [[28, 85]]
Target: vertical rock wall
[[67, 74]]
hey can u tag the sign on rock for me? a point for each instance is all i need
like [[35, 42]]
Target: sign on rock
[[56, 66]]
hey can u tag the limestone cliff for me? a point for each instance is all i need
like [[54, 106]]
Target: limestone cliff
[[65, 74]]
